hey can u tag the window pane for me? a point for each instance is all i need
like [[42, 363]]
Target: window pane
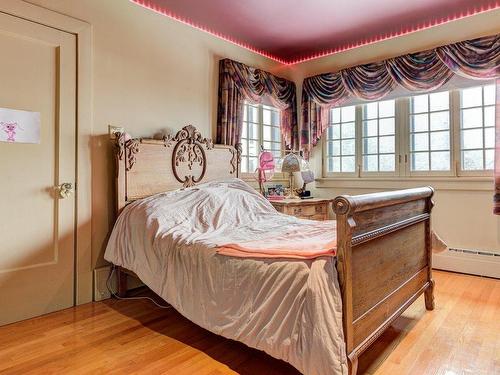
[[472, 160], [348, 147], [370, 128], [348, 130], [489, 116], [420, 161], [244, 164], [489, 159], [419, 123], [440, 140], [252, 164], [387, 144], [472, 118], [266, 133], [334, 165], [348, 164], [334, 132], [420, 104], [348, 113], [419, 142], [370, 163], [440, 120], [472, 97], [386, 126], [370, 111], [440, 161], [244, 130], [253, 131], [440, 101], [472, 138], [335, 115], [275, 118], [253, 148], [387, 163], [341, 142], [253, 114], [244, 147], [386, 108], [266, 118], [489, 95], [378, 136], [477, 134], [370, 145], [489, 137]]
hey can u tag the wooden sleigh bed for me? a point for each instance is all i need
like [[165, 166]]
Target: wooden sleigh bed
[[384, 239]]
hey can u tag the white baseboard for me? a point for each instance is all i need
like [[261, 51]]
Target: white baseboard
[[467, 263]]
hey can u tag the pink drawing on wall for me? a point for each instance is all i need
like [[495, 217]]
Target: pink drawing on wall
[[18, 126], [10, 128]]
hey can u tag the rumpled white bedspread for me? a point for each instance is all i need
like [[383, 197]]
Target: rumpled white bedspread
[[291, 309]]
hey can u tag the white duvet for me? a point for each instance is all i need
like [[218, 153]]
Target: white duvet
[[291, 309]]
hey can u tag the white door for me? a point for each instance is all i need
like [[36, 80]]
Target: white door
[[37, 73]]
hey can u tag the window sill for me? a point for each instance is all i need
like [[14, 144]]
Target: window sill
[[466, 183]]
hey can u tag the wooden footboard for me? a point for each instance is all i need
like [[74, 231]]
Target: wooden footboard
[[384, 261]]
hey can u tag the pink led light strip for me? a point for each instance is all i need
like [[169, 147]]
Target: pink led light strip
[[367, 41]]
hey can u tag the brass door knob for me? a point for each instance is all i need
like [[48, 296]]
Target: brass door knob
[[65, 190]]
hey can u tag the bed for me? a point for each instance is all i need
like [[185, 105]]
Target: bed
[[318, 314]]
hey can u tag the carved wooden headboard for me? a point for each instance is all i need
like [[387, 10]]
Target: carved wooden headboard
[[150, 166]]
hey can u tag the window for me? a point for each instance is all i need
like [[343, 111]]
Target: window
[[430, 132], [261, 126], [379, 137], [448, 133], [477, 128], [341, 140]]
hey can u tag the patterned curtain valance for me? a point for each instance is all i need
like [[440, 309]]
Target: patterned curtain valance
[[417, 72], [238, 82]]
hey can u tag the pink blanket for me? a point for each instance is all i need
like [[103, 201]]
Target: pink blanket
[[312, 240]]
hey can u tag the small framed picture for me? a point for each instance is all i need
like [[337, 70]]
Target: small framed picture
[[275, 191]]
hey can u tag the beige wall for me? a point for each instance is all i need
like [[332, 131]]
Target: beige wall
[[151, 73]]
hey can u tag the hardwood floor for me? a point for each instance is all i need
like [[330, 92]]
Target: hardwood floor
[[461, 336]]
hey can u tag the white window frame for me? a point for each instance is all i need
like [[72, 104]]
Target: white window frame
[[458, 153], [402, 146], [406, 145], [260, 140], [397, 169], [357, 145]]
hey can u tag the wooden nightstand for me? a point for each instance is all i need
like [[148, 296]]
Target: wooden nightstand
[[312, 209]]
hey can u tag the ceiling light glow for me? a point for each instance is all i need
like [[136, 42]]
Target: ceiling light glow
[[404, 30]]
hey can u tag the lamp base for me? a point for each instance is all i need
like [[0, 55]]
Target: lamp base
[[292, 194]]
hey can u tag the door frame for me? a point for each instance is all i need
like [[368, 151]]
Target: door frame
[[83, 204]]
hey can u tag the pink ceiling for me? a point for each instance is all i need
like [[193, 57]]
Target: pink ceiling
[[294, 30]]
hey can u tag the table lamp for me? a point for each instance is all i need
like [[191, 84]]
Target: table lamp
[[291, 164]]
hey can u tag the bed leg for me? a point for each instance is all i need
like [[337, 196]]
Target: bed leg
[[121, 278], [352, 361], [429, 296]]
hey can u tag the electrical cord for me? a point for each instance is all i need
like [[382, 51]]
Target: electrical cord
[[130, 298]]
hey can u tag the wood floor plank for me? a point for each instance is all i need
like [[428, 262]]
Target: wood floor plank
[[461, 336]]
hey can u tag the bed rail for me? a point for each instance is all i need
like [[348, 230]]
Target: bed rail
[[384, 261]]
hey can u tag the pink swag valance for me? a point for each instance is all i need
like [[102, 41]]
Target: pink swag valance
[[238, 82], [416, 72]]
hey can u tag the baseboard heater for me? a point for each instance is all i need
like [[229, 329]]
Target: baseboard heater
[[474, 262]]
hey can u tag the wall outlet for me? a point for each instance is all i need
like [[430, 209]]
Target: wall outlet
[[114, 129], [101, 291]]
